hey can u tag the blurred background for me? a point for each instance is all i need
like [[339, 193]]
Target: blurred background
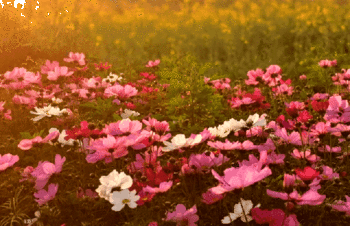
[[235, 35]]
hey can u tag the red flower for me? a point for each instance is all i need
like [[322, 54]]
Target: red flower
[[307, 173]]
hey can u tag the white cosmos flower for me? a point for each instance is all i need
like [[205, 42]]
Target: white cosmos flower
[[247, 206], [255, 120], [47, 111], [127, 113], [120, 199], [194, 141], [113, 78], [56, 100], [180, 141], [113, 180]]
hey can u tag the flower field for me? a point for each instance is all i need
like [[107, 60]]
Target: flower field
[[237, 117]]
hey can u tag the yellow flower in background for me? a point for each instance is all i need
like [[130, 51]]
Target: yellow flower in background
[[117, 41], [91, 26]]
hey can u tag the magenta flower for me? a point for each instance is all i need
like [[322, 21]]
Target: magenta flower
[[328, 173], [45, 196], [209, 197], [238, 178], [329, 149], [45, 170], [275, 217], [327, 63], [153, 63], [183, 217], [342, 206], [203, 163], [7, 160]]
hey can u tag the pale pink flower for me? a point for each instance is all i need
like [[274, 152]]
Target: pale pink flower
[[79, 57], [305, 155], [163, 187], [302, 77], [7, 160], [238, 178], [327, 63], [182, 216], [49, 66], [153, 63]]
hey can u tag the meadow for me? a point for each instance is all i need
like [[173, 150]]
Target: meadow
[[175, 113]]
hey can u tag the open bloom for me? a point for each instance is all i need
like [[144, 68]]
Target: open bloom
[[47, 111], [240, 212], [7, 160], [120, 199], [46, 169], [237, 178], [182, 216], [342, 206], [113, 180], [44, 196]]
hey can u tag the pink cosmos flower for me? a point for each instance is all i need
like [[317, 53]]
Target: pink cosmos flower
[[255, 77], [153, 223], [58, 71], [274, 158], [337, 107], [79, 57], [293, 138], [163, 187], [203, 163], [238, 178], [209, 197], [182, 216], [224, 146], [327, 63], [46, 169], [275, 217], [107, 148], [342, 206], [49, 66], [305, 155], [329, 149], [311, 197], [328, 173], [283, 89], [153, 63], [302, 77], [26, 174], [7, 160], [120, 91], [44, 196]]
